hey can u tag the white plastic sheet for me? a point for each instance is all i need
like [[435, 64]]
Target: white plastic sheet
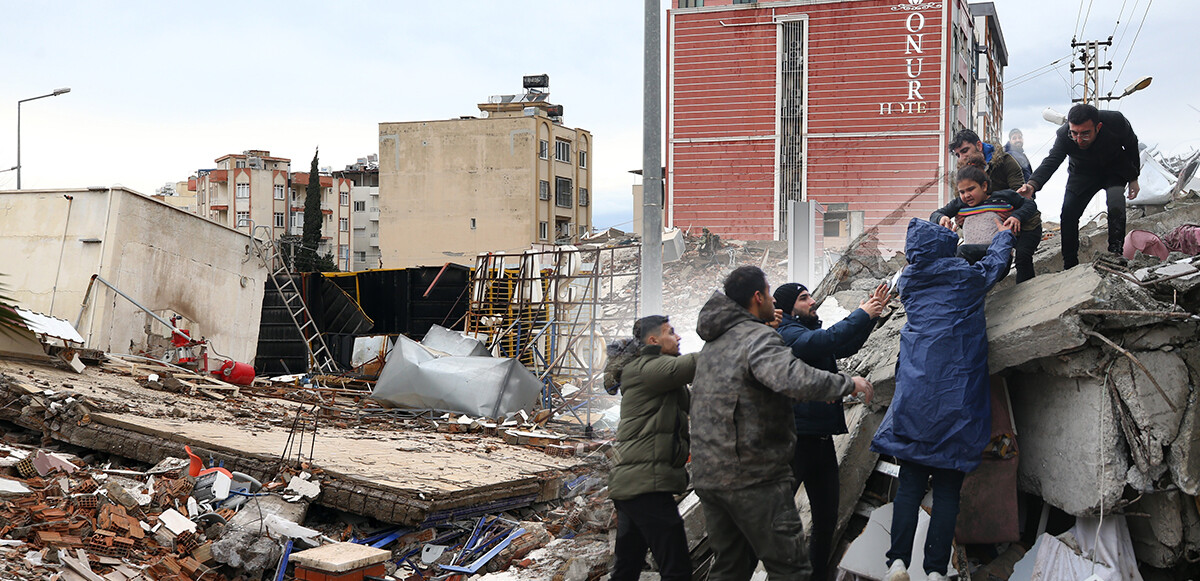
[[454, 377], [1113, 558], [1155, 182]]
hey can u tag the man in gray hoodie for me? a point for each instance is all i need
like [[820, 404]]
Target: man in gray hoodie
[[743, 431]]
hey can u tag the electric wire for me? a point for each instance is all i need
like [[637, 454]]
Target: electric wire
[[1085, 16], [1117, 78], [1035, 72]]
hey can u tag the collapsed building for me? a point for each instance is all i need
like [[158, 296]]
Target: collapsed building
[[1096, 368]]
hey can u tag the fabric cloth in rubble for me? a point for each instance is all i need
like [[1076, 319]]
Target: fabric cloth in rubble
[[454, 377], [940, 415], [1147, 243], [1185, 239]]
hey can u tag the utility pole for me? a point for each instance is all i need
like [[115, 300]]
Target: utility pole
[[652, 196], [1089, 59]]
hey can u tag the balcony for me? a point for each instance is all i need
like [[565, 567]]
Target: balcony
[[373, 214]]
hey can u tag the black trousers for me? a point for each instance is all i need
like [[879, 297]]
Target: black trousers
[[1081, 188], [651, 521], [753, 524], [814, 464]]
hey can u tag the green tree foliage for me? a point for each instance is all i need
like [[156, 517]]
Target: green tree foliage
[[307, 259]]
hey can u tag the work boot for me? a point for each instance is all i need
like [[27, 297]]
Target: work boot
[[897, 572]]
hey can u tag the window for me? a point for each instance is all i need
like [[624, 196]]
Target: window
[[360, 256], [562, 192], [343, 252], [343, 224], [297, 220], [280, 220], [543, 230], [692, 3], [344, 198], [744, 1], [243, 219], [243, 191], [293, 190], [241, 163], [360, 206], [562, 150], [279, 191], [543, 190], [583, 197], [544, 149], [583, 159], [583, 231]]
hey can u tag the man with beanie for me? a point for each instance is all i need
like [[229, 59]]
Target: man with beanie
[[746, 380], [651, 450], [814, 462]]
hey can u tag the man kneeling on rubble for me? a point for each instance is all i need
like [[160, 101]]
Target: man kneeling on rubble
[[939, 419], [746, 381], [651, 449]]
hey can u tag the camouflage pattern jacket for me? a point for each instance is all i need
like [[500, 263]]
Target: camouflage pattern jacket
[[746, 380]]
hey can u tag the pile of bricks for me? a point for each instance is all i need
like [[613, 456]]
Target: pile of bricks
[[73, 511]]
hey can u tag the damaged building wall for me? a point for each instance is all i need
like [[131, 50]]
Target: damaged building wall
[[171, 261]]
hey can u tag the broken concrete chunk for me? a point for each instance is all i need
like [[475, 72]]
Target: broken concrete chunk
[[1069, 442], [176, 522], [302, 488], [339, 557], [1158, 537]]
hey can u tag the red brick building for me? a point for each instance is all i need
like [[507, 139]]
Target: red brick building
[[848, 103]]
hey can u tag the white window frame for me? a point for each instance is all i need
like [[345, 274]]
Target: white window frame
[[583, 155], [584, 199], [562, 150], [543, 230], [239, 217], [569, 193], [360, 205], [344, 252], [242, 191], [279, 193], [543, 149], [343, 224], [280, 219], [297, 221], [344, 198], [543, 189]]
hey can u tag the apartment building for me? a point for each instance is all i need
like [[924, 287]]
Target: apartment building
[[512, 177], [253, 189], [991, 56], [364, 198], [336, 230]]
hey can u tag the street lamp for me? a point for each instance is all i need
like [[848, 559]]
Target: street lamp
[[56, 93]]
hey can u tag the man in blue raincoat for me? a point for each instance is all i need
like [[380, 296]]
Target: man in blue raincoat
[[939, 420]]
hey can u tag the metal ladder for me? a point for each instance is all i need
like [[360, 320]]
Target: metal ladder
[[319, 356]]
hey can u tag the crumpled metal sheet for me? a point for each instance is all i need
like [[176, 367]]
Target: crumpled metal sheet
[[451, 376], [50, 326]]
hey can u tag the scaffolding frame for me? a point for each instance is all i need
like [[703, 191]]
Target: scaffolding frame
[[555, 310]]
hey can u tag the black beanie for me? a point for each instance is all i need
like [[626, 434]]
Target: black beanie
[[785, 296]]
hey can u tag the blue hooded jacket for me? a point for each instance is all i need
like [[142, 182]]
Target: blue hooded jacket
[[940, 415]]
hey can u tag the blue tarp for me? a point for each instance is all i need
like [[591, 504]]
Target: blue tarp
[[940, 415]]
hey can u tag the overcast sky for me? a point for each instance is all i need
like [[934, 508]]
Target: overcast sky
[[161, 89]]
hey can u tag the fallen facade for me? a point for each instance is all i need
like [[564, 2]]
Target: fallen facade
[[171, 261]]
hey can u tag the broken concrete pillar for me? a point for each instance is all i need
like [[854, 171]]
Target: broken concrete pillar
[[1071, 452], [1158, 536], [1156, 423], [1184, 455]]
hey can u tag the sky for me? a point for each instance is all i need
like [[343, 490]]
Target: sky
[[161, 89]]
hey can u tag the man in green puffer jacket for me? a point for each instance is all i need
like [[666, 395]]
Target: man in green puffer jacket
[[651, 449]]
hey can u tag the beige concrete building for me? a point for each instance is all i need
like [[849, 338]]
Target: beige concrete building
[[182, 195], [513, 177], [171, 261], [364, 200]]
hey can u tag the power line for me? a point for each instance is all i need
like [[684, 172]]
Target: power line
[[1022, 76], [1119, 15], [1125, 30], [1117, 78], [1075, 34], [1085, 16], [1031, 75]]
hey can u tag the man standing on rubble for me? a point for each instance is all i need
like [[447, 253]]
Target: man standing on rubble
[[651, 449], [814, 462], [1104, 156], [1016, 148], [1004, 173], [746, 381]]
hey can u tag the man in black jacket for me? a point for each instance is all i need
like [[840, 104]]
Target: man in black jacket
[[814, 462], [1104, 156]]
